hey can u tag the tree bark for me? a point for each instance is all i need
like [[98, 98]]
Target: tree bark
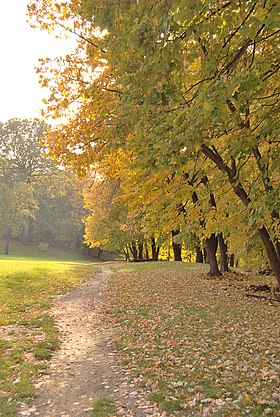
[[271, 253], [126, 252], [133, 250], [199, 255], [147, 254], [140, 251], [231, 260], [155, 249], [223, 254], [272, 248], [211, 245], [177, 248]]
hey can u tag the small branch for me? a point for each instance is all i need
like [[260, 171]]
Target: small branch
[[79, 35], [262, 297], [240, 26]]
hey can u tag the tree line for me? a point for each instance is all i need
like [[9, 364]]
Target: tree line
[[40, 202], [173, 107]]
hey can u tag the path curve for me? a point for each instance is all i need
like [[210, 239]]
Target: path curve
[[85, 367]]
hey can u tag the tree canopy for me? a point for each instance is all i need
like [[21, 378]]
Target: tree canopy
[[187, 92], [39, 201]]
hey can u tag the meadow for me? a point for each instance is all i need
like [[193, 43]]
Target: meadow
[[29, 282], [193, 346]]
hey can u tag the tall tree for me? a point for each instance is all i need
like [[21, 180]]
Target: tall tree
[[179, 79]]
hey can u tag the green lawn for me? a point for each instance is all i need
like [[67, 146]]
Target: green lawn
[[27, 333], [198, 346]]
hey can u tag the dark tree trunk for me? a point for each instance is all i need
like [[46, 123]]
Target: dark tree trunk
[[177, 248], [140, 251], [272, 249], [147, 254], [155, 249], [231, 260], [126, 252], [205, 255], [7, 245], [133, 250], [223, 254], [271, 252], [199, 255], [211, 245]]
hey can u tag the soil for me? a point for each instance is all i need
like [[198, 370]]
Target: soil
[[86, 366]]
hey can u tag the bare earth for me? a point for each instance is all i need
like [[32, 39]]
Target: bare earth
[[86, 366]]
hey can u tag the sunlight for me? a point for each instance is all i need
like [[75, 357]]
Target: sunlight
[[21, 47]]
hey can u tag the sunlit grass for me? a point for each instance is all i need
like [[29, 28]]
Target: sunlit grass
[[161, 266], [27, 333]]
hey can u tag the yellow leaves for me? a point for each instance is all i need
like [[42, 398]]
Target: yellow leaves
[[195, 66]]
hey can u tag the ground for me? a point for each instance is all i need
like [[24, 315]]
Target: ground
[[163, 334], [85, 368]]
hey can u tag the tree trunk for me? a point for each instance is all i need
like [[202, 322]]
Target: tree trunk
[[211, 245], [199, 255], [133, 250], [223, 254], [140, 251], [147, 254], [231, 260], [271, 252], [126, 253], [177, 248], [205, 255], [155, 249], [7, 245], [272, 249]]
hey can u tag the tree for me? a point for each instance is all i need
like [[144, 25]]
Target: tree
[[40, 201], [22, 157], [179, 80], [17, 202]]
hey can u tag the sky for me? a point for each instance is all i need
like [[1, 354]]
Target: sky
[[20, 49]]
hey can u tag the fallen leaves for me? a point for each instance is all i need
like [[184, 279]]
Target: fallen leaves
[[198, 347]]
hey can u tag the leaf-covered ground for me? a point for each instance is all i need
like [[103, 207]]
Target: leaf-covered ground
[[199, 347]]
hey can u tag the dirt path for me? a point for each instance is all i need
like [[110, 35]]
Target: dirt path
[[85, 367]]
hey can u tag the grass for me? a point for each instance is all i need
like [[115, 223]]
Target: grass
[[161, 266], [28, 335], [103, 407], [198, 346]]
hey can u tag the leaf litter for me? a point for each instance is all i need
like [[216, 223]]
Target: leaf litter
[[198, 347]]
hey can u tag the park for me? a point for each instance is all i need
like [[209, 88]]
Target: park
[[139, 214]]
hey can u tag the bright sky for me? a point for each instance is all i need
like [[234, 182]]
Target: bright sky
[[20, 48]]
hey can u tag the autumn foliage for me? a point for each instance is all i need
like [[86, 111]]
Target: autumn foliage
[[188, 94]]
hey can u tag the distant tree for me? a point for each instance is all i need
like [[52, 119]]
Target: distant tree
[[39, 200], [16, 203], [23, 157], [22, 150]]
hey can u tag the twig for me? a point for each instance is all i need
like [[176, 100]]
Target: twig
[[263, 297]]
